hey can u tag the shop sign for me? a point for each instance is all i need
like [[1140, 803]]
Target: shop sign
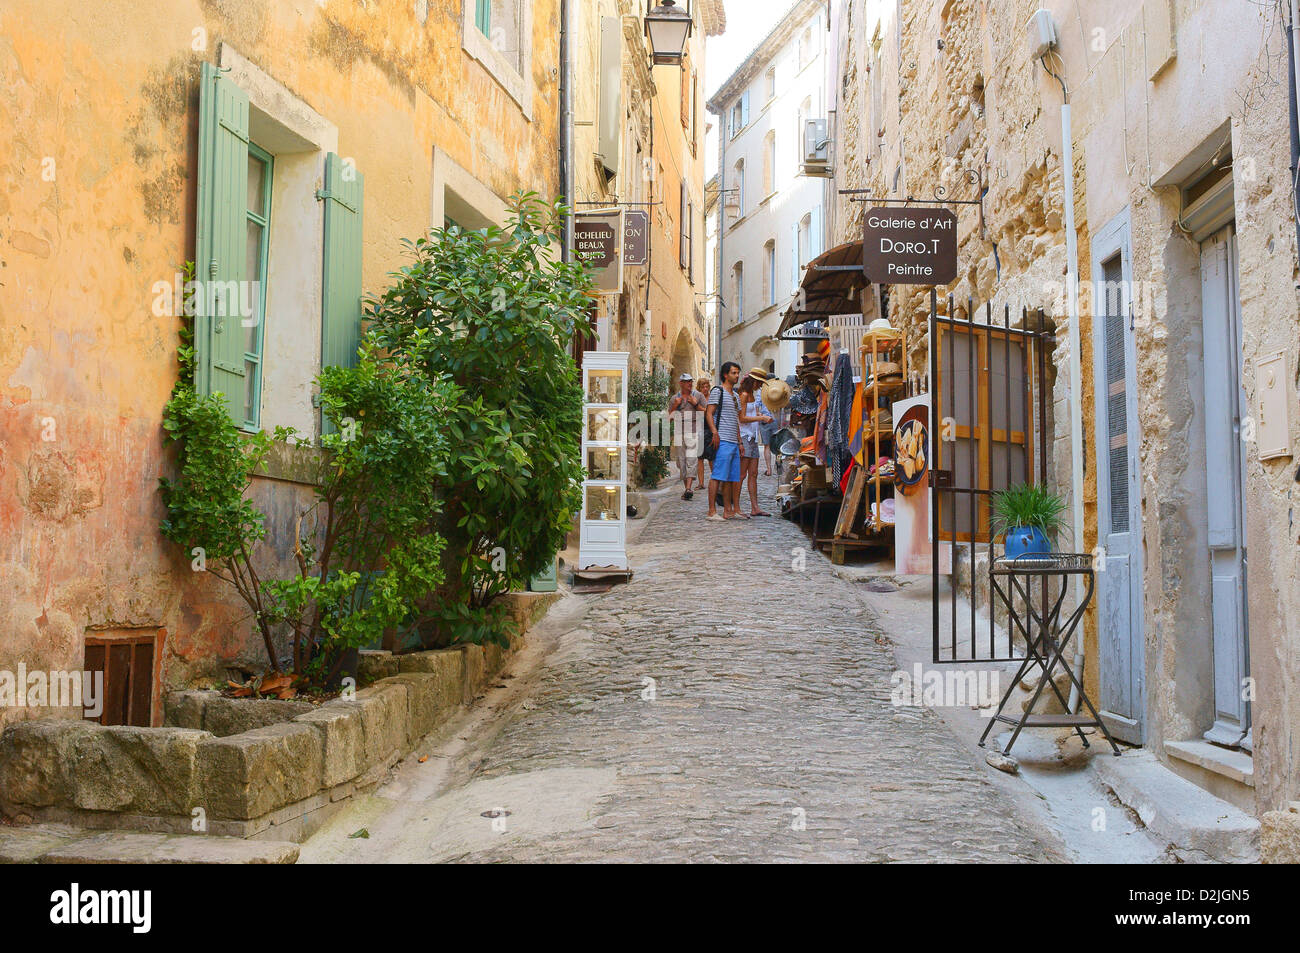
[[598, 243], [909, 246], [636, 237]]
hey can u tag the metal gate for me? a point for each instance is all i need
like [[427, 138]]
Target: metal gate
[[988, 393]]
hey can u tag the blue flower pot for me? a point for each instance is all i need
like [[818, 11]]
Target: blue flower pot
[[1027, 541]]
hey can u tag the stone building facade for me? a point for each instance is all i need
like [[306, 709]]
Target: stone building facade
[[1187, 256], [370, 122], [638, 134], [772, 213]]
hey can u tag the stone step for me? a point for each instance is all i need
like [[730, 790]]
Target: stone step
[[57, 844], [1200, 826]]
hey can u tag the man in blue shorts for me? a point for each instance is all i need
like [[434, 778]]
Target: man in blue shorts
[[724, 427]]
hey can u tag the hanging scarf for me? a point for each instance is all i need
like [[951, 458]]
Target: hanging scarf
[[840, 406]]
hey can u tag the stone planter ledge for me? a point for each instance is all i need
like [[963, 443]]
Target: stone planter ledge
[[265, 769]]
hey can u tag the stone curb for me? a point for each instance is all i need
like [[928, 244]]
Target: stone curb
[[278, 779], [44, 845]]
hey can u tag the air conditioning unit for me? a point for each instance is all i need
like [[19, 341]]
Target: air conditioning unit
[[816, 149]]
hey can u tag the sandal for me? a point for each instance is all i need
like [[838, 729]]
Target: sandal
[[760, 513], [715, 517]]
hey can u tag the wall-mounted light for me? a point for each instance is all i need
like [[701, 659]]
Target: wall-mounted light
[[668, 27]]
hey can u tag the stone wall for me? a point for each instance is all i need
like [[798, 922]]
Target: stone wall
[[1158, 90], [101, 118], [267, 769]]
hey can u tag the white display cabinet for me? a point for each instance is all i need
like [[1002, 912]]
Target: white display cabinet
[[603, 540]]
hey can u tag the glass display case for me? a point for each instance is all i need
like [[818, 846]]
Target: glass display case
[[603, 540], [603, 502], [603, 425], [605, 387], [604, 463]]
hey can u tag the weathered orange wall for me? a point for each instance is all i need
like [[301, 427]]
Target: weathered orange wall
[[97, 164]]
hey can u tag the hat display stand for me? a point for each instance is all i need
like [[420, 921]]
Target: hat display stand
[[865, 510], [885, 373]]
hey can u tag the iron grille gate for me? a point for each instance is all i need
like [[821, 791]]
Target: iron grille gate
[[981, 375]]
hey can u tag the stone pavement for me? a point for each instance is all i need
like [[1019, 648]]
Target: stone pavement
[[767, 733]]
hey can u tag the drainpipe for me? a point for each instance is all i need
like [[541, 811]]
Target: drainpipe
[[566, 130], [1292, 40], [648, 335], [1076, 373], [722, 234]]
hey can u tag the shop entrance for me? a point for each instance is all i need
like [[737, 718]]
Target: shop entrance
[[988, 390]]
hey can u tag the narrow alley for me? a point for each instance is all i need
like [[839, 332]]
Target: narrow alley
[[769, 715]]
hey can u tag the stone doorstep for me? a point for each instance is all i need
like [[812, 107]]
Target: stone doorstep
[[56, 845], [1235, 765], [1178, 811]]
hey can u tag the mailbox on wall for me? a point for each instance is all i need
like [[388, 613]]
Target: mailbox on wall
[[1274, 395]]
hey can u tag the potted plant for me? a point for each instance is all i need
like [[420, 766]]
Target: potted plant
[[1026, 516]]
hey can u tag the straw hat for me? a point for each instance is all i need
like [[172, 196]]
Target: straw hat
[[776, 394], [880, 324]]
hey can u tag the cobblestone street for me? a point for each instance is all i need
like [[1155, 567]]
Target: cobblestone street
[[770, 737]]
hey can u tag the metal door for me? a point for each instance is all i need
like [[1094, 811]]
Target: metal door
[[987, 392], [1225, 477]]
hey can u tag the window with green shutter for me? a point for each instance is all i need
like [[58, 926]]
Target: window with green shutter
[[221, 241], [341, 294], [260, 166]]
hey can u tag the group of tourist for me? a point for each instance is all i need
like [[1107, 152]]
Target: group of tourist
[[726, 427]]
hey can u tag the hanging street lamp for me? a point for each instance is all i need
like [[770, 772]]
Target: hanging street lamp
[[668, 26]]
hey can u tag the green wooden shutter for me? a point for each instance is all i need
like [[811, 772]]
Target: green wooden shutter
[[341, 310], [220, 239], [483, 16]]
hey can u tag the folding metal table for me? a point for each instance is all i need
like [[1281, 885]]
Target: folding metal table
[[1012, 581]]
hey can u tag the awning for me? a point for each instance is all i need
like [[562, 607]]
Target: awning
[[832, 284]]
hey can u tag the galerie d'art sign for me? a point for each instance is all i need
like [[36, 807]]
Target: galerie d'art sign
[[598, 243], [910, 246]]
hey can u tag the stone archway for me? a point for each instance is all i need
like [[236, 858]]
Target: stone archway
[[684, 359]]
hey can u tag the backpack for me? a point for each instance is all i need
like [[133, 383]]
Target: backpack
[[710, 445]]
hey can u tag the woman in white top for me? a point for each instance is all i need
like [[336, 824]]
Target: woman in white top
[[752, 413]]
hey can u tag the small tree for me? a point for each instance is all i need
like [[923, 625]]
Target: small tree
[[365, 552], [495, 310]]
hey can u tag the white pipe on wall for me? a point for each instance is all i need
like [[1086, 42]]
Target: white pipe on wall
[[1076, 378]]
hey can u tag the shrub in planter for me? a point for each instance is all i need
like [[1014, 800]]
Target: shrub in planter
[[365, 551], [1026, 516], [652, 466], [494, 310]]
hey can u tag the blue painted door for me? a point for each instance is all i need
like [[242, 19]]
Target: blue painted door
[[1122, 689]]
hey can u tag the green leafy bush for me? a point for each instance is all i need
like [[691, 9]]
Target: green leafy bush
[[652, 466], [495, 310], [370, 556], [648, 390], [365, 551]]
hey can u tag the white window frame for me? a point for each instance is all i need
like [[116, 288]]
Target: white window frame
[[517, 83]]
